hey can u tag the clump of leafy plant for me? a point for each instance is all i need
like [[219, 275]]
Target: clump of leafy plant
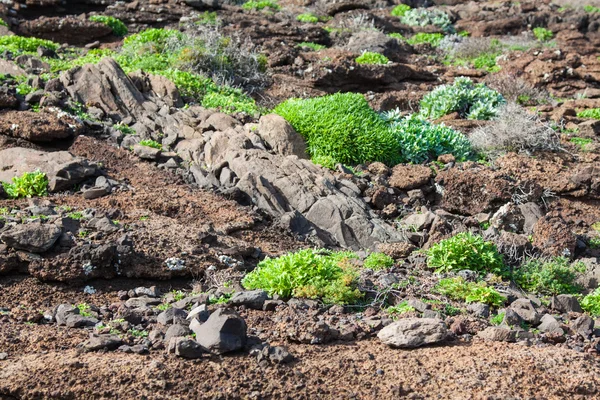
[[593, 113], [470, 100], [138, 333], [466, 250], [19, 44], [550, 277], [497, 319], [433, 39], [397, 36], [377, 261], [425, 17], [151, 143], [84, 310], [542, 34], [342, 127], [308, 273], [125, 129], [421, 140], [591, 9], [591, 303], [3, 23], [400, 10], [261, 5], [117, 26], [29, 184], [583, 143], [76, 215], [24, 89], [399, 309], [469, 292], [311, 46], [369, 57], [480, 53], [307, 18], [207, 18]]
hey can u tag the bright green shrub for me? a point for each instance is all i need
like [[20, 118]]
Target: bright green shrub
[[466, 251], [307, 18], [550, 277], [260, 5], [542, 34], [369, 57], [589, 113], [497, 319], [343, 127], [20, 44], [308, 273], [433, 39], [29, 184], [397, 36], [151, 143], [472, 101], [24, 89], [591, 9], [469, 292], [399, 309], [207, 18], [425, 17], [312, 46], [377, 261], [583, 143], [117, 26], [421, 140], [400, 10], [591, 303]]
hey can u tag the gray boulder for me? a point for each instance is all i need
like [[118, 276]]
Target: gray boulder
[[583, 326], [146, 152], [526, 310], [99, 342], [185, 348], [565, 303], [497, 334], [176, 330], [223, 332], [254, 299], [171, 316], [34, 238], [413, 332], [63, 312], [479, 310], [62, 168], [550, 325], [281, 136]]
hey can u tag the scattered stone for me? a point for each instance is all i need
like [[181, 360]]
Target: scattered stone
[[146, 152], [79, 321], [200, 313], [419, 305], [34, 238], [41, 127], [176, 330], [171, 315], [396, 250], [185, 348], [280, 136], [565, 303], [583, 326], [271, 305], [550, 325], [3, 356], [275, 354], [99, 342], [254, 299], [407, 177], [526, 310], [142, 302], [413, 332], [223, 332], [498, 334], [479, 310]]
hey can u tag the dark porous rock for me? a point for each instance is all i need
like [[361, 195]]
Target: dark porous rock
[[498, 334], [171, 316], [549, 324], [223, 332], [565, 303], [185, 348], [414, 332], [33, 238], [63, 312], [146, 152], [526, 310], [176, 330], [583, 326], [254, 299], [41, 127], [79, 321], [275, 354], [99, 342], [479, 310]]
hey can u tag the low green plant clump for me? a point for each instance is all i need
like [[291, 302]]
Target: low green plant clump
[[591, 303], [20, 44], [207, 18], [261, 5], [466, 250], [591, 9], [397, 36], [76, 215], [421, 140], [583, 143], [3, 23], [470, 100], [307, 18], [29, 184], [425, 17], [311, 46], [484, 59], [308, 273], [469, 292], [151, 143], [542, 34], [342, 127], [125, 129], [369, 57], [433, 39], [399, 309], [550, 277], [593, 113], [400, 10], [24, 89], [84, 310], [138, 333], [377, 261], [117, 26], [497, 319]]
